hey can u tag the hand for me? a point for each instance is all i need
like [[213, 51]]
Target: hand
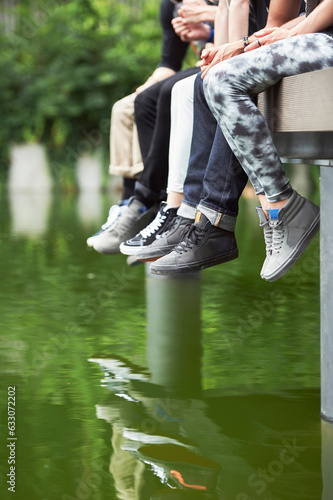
[[189, 32], [192, 10], [267, 36], [210, 57]]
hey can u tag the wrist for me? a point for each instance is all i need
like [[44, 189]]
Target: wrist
[[211, 35], [202, 15], [209, 13]]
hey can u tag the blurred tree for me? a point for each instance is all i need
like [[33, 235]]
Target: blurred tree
[[65, 64]]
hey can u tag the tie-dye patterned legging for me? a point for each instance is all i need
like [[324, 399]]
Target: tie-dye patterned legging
[[230, 87]]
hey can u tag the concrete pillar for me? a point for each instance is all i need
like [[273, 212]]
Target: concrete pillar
[[326, 291]]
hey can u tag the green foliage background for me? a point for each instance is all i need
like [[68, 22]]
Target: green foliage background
[[67, 62]]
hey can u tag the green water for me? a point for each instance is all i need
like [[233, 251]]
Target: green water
[[132, 388]]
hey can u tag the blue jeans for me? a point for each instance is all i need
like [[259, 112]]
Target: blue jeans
[[230, 87], [215, 180]]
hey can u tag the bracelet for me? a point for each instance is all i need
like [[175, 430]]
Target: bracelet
[[246, 41], [211, 36]]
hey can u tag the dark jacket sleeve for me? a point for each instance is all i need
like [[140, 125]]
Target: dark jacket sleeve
[[173, 49]]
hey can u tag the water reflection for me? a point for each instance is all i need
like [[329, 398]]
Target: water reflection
[[90, 172], [90, 208], [29, 169], [327, 459], [29, 212], [172, 438], [209, 394]]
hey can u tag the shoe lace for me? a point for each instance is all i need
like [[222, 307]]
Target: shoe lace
[[154, 226], [192, 235], [114, 213], [277, 237], [268, 236]]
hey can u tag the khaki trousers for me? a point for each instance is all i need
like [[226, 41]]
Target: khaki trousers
[[125, 154]]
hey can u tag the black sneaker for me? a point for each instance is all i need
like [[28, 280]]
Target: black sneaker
[[203, 246], [149, 234], [166, 240]]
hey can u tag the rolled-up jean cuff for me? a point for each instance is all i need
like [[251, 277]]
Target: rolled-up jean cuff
[[187, 211], [218, 219], [282, 195]]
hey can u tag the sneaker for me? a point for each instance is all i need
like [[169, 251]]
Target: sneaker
[[150, 233], [294, 225], [167, 239], [203, 246], [132, 219], [114, 213], [268, 235]]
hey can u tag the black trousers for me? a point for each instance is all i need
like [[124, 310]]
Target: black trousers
[[152, 116]]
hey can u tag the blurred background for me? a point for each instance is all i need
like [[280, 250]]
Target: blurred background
[[63, 64]]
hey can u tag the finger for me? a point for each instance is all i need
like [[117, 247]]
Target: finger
[[207, 56], [210, 58], [264, 32], [253, 46], [204, 73], [209, 66], [177, 20]]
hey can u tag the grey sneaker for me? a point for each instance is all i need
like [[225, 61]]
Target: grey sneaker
[[149, 234], [268, 235], [294, 226], [204, 245], [133, 218], [114, 213], [166, 241]]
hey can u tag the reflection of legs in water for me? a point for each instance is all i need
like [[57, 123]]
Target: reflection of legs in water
[[151, 414], [126, 470]]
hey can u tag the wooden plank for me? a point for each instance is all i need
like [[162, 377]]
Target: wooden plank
[[300, 103]]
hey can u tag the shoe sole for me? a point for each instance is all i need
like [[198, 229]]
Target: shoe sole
[[198, 266], [296, 253], [106, 251], [141, 254], [133, 261]]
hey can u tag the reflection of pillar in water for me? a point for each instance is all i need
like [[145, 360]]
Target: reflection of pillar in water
[[327, 459], [29, 169], [89, 206], [89, 172], [173, 326], [29, 212]]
